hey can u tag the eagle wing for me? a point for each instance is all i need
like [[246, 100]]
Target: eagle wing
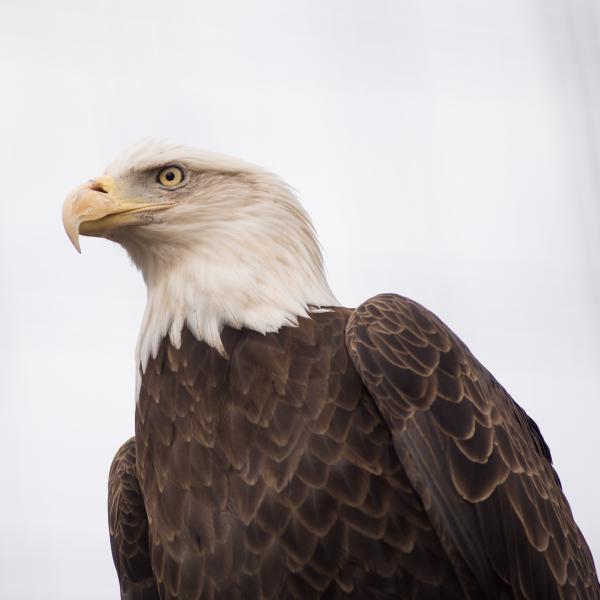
[[478, 462], [128, 525]]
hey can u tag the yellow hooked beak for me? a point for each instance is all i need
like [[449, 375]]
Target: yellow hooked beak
[[96, 208]]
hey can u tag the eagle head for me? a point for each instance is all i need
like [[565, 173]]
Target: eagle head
[[220, 242]]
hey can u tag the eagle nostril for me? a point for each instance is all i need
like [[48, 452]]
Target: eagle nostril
[[96, 186]]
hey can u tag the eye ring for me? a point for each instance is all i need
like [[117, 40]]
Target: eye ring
[[170, 176]]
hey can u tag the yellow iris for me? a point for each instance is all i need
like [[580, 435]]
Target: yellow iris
[[170, 176]]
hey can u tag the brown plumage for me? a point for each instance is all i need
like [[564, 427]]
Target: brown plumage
[[362, 454]]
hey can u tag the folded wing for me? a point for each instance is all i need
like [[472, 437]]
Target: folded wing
[[128, 524], [479, 463]]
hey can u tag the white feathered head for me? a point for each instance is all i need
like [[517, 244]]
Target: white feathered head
[[218, 241]]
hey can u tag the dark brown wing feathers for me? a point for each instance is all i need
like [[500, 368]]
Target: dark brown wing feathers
[[128, 527], [477, 460], [369, 458]]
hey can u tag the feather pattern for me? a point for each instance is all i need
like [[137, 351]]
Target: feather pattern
[[271, 474], [360, 454], [478, 461], [128, 528]]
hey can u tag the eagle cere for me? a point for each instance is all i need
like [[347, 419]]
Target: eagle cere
[[287, 447]]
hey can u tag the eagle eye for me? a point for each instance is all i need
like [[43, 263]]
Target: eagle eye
[[170, 176]]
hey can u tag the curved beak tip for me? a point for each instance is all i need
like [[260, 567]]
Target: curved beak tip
[[75, 242], [71, 224]]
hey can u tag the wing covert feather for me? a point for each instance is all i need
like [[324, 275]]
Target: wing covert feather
[[128, 527], [479, 463]]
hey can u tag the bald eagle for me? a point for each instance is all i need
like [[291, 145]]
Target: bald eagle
[[287, 447]]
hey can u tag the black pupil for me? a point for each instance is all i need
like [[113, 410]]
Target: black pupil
[[169, 176]]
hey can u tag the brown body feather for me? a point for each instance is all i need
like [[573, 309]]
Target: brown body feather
[[362, 454]]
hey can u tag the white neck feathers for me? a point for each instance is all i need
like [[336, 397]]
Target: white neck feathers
[[243, 254]]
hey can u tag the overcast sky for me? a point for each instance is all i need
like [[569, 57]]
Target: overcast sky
[[447, 151]]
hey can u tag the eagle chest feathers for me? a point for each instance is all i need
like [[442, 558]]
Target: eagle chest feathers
[[271, 474]]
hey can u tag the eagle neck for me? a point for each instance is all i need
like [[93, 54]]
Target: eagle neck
[[241, 253], [206, 293]]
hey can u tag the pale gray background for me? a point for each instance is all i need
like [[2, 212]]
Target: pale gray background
[[447, 151]]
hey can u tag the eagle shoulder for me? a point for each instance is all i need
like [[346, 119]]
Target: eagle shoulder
[[477, 460]]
